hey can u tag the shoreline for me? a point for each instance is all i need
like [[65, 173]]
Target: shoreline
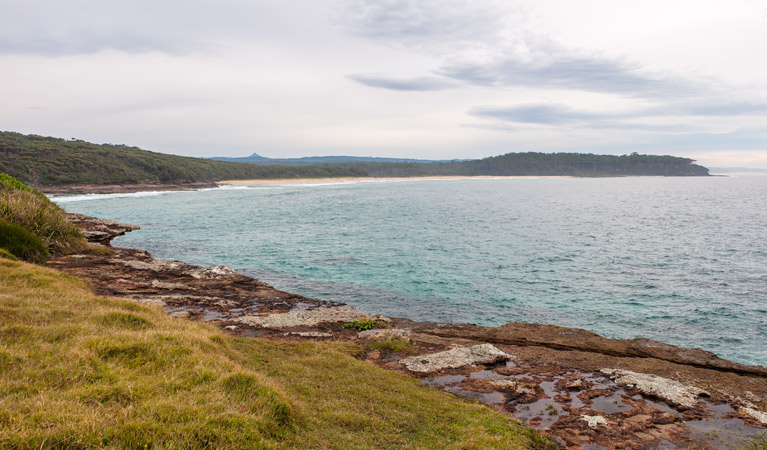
[[373, 179], [128, 188], [574, 370]]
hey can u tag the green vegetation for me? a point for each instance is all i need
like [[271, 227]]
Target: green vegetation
[[79, 371], [759, 442], [45, 161], [544, 164], [29, 220], [386, 346], [22, 244], [366, 323]]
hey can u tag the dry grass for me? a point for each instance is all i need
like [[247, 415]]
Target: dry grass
[[79, 371]]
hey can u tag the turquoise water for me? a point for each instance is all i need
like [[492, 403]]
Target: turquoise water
[[680, 260]]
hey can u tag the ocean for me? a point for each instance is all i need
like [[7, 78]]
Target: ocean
[[679, 260]]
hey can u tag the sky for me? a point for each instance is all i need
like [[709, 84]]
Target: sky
[[436, 79]]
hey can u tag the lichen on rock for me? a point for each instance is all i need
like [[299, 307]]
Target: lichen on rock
[[594, 421], [384, 333], [456, 357], [343, 313], [669, 390]]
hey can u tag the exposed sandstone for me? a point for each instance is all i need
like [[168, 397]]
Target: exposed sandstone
[[100, 231], [594, 421], [671, 391], [343, 313], [378, 333], [560, 338], [456, 357]]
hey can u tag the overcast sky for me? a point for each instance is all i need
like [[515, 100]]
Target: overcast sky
[[423, 78]]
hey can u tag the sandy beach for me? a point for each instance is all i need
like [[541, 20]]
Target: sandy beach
[[371, 179]]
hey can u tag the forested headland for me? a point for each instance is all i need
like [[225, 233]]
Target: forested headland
[[47, 161]]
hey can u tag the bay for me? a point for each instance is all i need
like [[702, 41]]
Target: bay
[[679, 260]]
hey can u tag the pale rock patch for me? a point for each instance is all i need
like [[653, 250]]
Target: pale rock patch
[[594, 421], [384, 333], [456, 357], [756, 414], [314, 334], [344, 313], [166, 285], [672, 391]]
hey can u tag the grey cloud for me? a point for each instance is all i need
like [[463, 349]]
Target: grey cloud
[[535, 113], [709, 108], [55, 28], [593, 74], [558, 114], [402, 84], [513, 54], [564, 115], [416, 22]]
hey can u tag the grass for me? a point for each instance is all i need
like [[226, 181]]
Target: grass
[[759, 442], [28, 208], [79, 371], [386, 346]]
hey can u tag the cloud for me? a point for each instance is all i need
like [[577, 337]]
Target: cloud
[[549, 114], [593, 74], [421, 23], [402, 84], [563, 115], [54, 28], [498, 45], [560, 114]]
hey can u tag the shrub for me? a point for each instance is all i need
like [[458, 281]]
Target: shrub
[[22, 244], [366, 323], [30, 209]]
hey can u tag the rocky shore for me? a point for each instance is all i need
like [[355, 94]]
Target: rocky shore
[[124, 188], [587, 391]]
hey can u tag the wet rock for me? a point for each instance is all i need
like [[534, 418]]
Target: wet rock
[[343, 313], [384, 333], [594, 421], [671, 391], [100, 231], [512, 385], [180, 314], [561, 338], [456, 357], [220, 271]]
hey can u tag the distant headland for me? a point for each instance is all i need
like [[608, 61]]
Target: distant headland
[[74, 166]]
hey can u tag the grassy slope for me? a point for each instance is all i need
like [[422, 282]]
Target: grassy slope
[[45, 161], [79, 371]]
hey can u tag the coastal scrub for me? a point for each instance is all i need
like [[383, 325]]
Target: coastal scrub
[[26, 207]]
